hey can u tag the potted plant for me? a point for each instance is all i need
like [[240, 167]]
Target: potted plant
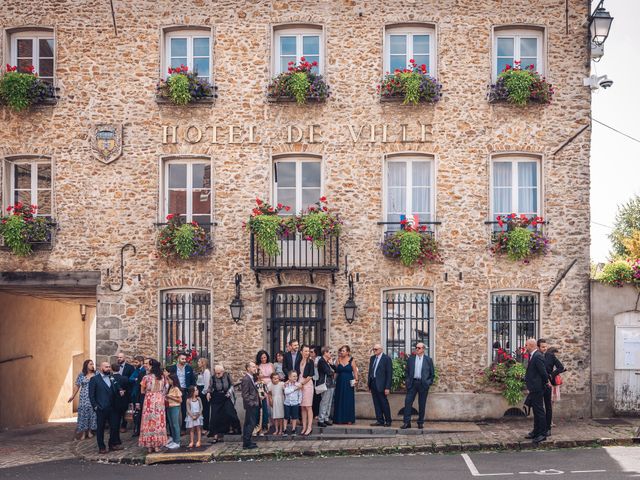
[[21, 228], [413, 244], [506, 374], [20, 90], [520, 86], [267, 226], [299, 83], [317, 223], [179, 348], [521, 240], [183, 87], [619, 272], [412, 84], [182, 240]]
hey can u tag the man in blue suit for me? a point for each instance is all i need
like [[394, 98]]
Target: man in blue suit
[[537, 381], [379, 382], [420, 375], [186, 377], [102, 395]]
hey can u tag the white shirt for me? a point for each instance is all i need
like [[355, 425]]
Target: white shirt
[[181, 375], [106, 379], [417, 373], [375, 364], [121, 369]]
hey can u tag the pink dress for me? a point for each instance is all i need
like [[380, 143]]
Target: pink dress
[[307, 389], [153, 429], [265, 369]]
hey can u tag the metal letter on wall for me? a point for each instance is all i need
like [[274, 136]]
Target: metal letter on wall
[[106, 142]]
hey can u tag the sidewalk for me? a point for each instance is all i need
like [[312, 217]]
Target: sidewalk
[[359, 439]]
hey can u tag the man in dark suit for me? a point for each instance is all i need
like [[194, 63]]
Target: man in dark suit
[[251, 402], [292, 359], [379, 382], [125, 369], [554, 368], [420, 375], [102, 395], [537, 380], [186, 378], [123, 397], [137, 398]]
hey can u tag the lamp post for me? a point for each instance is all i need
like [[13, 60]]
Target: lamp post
[[600, 24], [350, 306], [236, 304]]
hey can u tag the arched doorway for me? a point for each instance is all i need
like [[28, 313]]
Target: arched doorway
[[295, 313]]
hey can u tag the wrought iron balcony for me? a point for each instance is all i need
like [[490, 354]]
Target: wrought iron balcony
[[297, 254]]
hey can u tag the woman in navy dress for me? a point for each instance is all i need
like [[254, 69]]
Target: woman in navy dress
[[347, 379]]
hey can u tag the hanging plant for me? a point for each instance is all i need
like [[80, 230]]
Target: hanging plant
[[182, 240], [412, 84], [20, 90], [267, 226], [21, 228], [299, 82], [412, 245], [520, 86], [521, 240], [507, 374], [183, 87], [317, 223]]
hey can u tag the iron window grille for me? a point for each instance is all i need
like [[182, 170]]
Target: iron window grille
[[515, 317], [407, 319], [185, 317]]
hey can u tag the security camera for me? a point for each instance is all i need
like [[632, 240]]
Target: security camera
[[595, 82]]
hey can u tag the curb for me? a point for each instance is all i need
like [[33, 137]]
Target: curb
[[434, 448]]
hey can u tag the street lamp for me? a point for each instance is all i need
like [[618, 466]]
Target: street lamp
[[236, 304], [350, 306], [599, 25]]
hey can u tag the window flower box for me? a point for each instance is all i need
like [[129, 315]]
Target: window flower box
[[183, 240], [413, 245], [20, 90], [411, 86], [299, 83], [521, 238], [23, 232], [520, 87], [185, 88], [620, 272]]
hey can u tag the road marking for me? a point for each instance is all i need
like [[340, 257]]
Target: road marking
[[551, 471], [588, 471], [474, 471]]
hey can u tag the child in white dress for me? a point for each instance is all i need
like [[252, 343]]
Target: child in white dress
[[194, 416], [276, 401]]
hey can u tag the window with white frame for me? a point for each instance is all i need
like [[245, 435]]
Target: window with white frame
[[187, 189], [518, 44], [191, 48], [297, 182], [515, 317], [293, 44], [407, 319], [409, 189], [184, 322], [30, 183], [403, 44], [515, 186], [33, 49]]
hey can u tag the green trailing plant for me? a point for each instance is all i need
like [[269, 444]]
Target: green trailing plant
[[520, 86], [299, 82], [413, 84], [617, 273], [317, 223], [182, 240], [507, 374], [518, 245], [21, 89], [520, 239], [21, 228], [412, 245], [183, 87], [267, 226]]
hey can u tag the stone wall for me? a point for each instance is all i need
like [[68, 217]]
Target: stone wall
[[106, 78]]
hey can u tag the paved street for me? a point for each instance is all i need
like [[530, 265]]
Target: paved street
[[609, 463]]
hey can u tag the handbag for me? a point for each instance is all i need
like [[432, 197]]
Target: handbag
[[558, 380], [320, 389]]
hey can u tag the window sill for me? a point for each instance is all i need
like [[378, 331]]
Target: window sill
[[35, 247], [399, 100], [512, 105], [203, 102], [287, 99]]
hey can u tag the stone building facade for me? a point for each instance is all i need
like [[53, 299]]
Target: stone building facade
[[104, 77]]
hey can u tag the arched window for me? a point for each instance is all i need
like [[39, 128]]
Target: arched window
[[191, 47], [410, 42], [407, 318], [187, 188], [291, 43], [33, 47], [515, 317], [29, 180], [523, 44], [515, 185], [297, 182]]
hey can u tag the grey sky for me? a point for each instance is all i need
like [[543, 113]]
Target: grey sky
[[615, 160]]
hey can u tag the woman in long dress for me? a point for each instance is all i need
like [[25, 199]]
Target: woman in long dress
[[306, 379], [153, 428], [87, 420], [265, 369], [347, 379], [223, 412]]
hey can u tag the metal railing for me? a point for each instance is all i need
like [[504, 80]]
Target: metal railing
[[407, 318], [185, 317], [514, 319], [298, 253]]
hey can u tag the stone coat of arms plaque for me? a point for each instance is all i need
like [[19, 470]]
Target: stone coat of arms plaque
[[106, 142]]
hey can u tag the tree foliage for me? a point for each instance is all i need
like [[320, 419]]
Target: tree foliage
[[626, 222]]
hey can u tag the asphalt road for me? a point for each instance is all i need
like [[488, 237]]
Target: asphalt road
[[581, 464]]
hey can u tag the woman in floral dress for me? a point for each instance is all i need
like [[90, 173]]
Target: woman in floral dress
[[86, 414], [153, 428]]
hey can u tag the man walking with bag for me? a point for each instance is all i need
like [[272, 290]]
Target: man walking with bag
[[379, 382]]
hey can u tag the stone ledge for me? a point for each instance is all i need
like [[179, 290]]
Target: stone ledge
[[203, 102]]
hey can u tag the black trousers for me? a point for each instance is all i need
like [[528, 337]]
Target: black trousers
[[250, 416], [112, 416], [137, 415], [183, 408], [205, 406], [548, 408], [381, 406], [416, 389], [539, 417]]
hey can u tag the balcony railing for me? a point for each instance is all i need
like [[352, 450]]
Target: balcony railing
[[429, 231], [46, 244], [297, 253]]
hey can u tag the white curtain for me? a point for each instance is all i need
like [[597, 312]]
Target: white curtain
[[421, 195], [396, 192], [528, 187], [502, 188]]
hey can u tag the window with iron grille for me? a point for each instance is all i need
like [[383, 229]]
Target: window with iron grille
[[407, 318], [185, 316], [515, 317]]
